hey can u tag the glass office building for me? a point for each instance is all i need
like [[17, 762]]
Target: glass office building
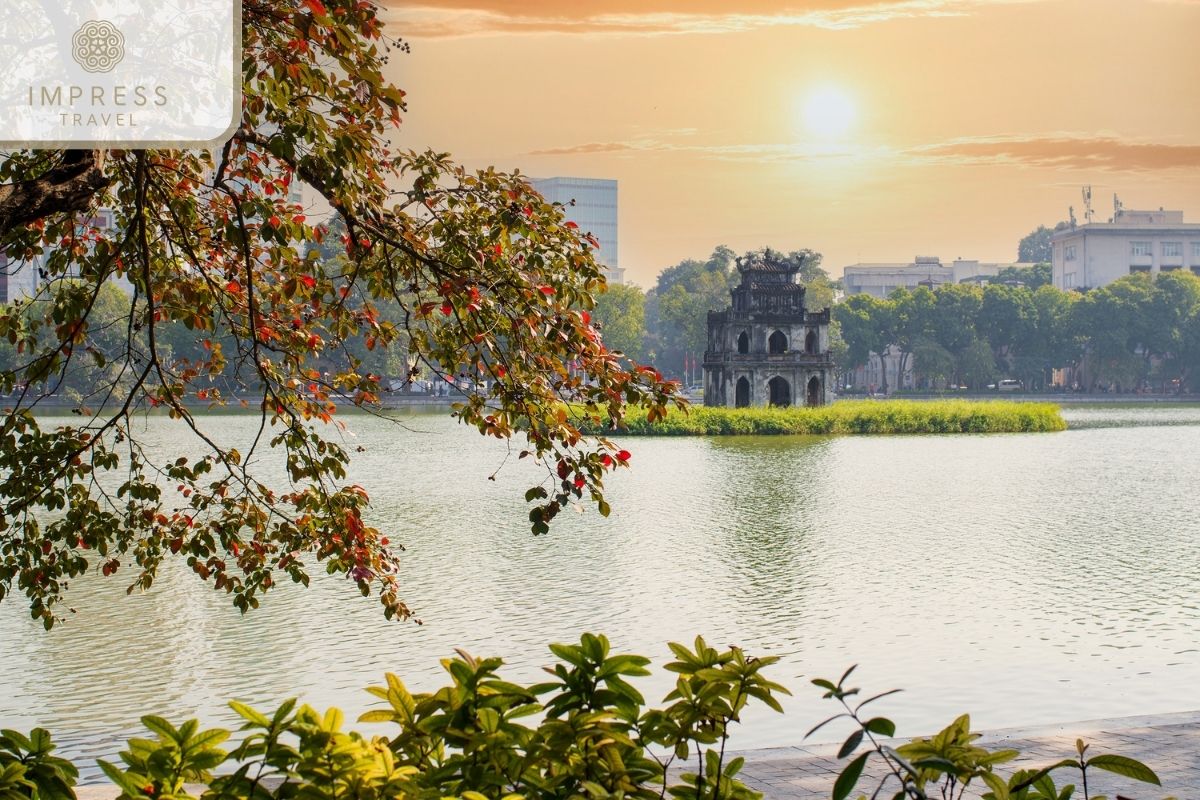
[[594, 211]]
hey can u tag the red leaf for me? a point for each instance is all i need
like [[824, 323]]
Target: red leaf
[[316, 7], [308, 280], [578, 482], [571, 225], [447, 309], [546, 290], [606, 459], [624, 455], [273, 221]]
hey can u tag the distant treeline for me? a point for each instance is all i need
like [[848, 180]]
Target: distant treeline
[[1136, 333]]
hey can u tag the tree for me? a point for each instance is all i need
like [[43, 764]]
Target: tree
[[490, 279], [1116, 322], [913, 314], [1035, 246], [677, 307], [620, 316], [868, 326], [1006, 317], [1040, 274]]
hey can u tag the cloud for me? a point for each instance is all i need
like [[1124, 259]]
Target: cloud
[[445, 18], [1071, 151], [1065, 151], [759, 152]]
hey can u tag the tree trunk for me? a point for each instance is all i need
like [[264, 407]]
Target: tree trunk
[[68, 186]]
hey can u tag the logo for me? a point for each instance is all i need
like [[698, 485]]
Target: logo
[[98, 46]]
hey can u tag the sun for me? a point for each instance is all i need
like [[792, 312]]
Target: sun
[[829, 112]]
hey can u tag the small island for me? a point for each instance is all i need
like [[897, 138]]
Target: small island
[[854, 417]]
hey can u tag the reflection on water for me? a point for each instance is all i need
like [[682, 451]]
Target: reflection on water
[[1026, 578]]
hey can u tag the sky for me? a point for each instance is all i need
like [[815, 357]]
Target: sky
[[868, 131]]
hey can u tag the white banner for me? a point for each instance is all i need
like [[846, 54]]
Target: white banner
[[119, 73]]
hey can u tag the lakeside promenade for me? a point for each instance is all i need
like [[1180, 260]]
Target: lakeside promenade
[[1167, 743]]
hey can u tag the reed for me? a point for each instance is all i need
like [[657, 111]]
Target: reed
[[855, 417]]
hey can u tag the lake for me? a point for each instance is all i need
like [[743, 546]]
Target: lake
[[1026, 578]]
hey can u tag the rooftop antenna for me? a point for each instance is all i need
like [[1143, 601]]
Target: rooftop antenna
[[1087, 204]]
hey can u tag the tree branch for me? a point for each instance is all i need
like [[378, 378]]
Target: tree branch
[[67, 187]]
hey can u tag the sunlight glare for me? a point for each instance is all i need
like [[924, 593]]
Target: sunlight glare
[[829, 112]]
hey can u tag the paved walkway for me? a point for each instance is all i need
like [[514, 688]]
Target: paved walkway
[[1169, 744]]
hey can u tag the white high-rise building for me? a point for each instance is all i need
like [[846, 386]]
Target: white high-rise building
[[594, 211], [1096, 253]]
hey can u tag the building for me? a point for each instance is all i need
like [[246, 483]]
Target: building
[[1095, 253], [20, 279], [880, 280], [767, 348], [591, 203]]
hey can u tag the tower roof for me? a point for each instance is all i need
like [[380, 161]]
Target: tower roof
[[768, 262]]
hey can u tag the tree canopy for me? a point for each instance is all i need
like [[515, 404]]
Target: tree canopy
[[232, 301], [1035, 247], [1132, 332]]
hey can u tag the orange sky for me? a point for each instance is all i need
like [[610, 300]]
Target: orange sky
[[975, 121]]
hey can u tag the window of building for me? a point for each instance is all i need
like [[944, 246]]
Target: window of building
[[1069, 252], [1069, 280], [1134, 268], [1172, 249], [1140, 248], [1170, 267], [1196, 251]]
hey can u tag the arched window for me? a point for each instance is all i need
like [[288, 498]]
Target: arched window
[[810, 342], [742, 393], [744, 342], [777, 343], [780, 391], [814, 392]]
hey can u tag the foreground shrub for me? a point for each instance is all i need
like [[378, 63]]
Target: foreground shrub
[[945, 765], [591, 737], [854, 417]]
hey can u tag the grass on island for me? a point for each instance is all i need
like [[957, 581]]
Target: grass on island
[[854, 417]]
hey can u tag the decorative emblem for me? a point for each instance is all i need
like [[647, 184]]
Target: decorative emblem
[[98, 46]]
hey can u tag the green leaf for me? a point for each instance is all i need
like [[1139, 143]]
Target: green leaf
[[851, 744], [881, 725], [1123, 765], [130, 783], [160, 726], [846, 782], [249, 714], [996, 784]]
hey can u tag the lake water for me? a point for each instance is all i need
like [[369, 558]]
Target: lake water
[[1027, 579]]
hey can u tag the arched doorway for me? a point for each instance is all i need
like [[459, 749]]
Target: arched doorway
[[780, 392], [777, 343], [741, 397], [744, 343], [810, 342], [814, 392]]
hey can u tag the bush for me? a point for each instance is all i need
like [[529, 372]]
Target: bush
[[854, 417], [593, 738]]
